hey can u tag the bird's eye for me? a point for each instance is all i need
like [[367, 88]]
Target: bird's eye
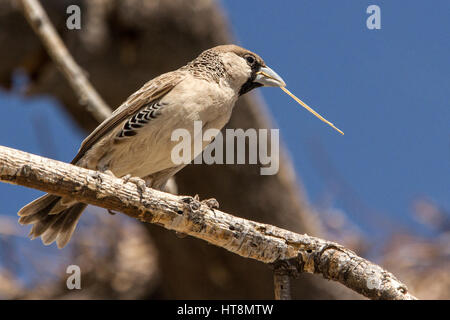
[[250, 60]]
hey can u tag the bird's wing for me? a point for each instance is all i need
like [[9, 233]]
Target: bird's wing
[[151, 91]]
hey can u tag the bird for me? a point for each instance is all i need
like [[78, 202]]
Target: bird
[[134, 142]]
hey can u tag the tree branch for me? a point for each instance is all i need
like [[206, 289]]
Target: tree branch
[[281, 284], [288, 251], [55, 47]]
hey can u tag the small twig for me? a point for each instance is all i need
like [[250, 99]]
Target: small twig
[[269, 244], [55, 47], [281, 284]]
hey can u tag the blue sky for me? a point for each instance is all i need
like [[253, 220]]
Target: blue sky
[[387, 89]]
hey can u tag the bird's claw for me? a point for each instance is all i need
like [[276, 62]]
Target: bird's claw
[[211, 203], [140, 183], [195, 200], [126, 178]]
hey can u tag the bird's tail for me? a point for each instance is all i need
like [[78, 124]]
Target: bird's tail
[[54, 218]]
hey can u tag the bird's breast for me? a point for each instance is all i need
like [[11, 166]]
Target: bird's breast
[[203, 100], [191, 103]]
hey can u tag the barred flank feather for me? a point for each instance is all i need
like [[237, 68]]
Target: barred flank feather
[[50, 225]]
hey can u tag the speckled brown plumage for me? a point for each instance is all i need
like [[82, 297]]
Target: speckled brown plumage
[[136, 139], [206, 66]]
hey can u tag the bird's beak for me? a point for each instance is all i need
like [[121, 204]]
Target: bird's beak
[[269, 78]]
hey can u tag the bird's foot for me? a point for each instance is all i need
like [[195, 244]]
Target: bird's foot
[[211, 203], [140, 183], [195, 203]]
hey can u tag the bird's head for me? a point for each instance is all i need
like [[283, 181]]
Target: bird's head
[[242, 69]]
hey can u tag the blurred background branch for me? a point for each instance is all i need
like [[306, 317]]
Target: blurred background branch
[[87, 96]]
